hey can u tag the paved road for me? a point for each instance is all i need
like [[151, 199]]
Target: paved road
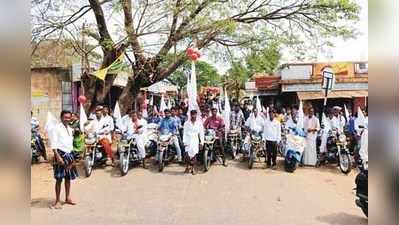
[[232, 196]]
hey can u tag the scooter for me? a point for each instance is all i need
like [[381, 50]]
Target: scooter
[[295, 146]]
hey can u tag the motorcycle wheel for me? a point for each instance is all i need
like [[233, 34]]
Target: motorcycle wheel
[[207, 157], [251, 159], [345, 163], [124, 163], [88, 165], [234, 150], [161, 162]]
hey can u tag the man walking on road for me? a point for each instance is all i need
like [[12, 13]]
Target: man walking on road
[[193, 139], [64, 165]]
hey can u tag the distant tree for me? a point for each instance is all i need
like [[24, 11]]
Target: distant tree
[[207, 75]]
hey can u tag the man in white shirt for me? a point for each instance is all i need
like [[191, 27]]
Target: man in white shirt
[[311, 125], [272, 136], [103, 128], [136, 129], [108, 118], [193, 140], [64, 165]]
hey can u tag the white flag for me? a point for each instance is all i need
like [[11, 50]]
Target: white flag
[[192, 91], [82, 117], [118, 117], [163, 104], [51, 123], [170, 103], [258, 105], [346, 113], [361, 118], [226, 113], [301, 116], [151, 100]]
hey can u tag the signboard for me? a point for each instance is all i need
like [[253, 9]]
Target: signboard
[[328, 78], [293, 72], [317, 87], [76, 72]]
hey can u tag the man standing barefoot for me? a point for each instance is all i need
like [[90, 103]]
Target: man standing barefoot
[[64, 165]]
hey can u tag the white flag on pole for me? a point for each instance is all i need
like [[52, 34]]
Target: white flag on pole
[[301, 116], [163, 104], [226, 113], [258, 105], [51, 123], [361, 118], [82, 117], [346, 113], [118, 117]]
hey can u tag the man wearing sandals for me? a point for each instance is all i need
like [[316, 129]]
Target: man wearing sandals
[[64, 165]]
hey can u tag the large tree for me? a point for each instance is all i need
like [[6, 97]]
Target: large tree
[[152, 29]]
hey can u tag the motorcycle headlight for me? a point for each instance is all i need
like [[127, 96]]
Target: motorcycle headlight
[[208, 138], [342, 138], [90, 141]]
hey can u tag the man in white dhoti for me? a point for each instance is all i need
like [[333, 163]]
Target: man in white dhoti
[[311, 126], [137, 129], [193, 140]]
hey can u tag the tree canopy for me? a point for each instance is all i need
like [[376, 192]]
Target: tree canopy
[[149, 30]]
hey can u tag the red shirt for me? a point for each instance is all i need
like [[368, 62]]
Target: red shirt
[[215, 123]]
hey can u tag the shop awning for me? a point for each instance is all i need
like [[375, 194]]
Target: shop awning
[[308, 95]]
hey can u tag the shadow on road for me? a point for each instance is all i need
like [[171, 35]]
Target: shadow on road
[[41, 203], [342, 218]]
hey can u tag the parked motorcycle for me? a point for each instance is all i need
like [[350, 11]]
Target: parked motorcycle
[[153, 137], [166, 151], [234, 141], [281, 147], [208, 151], [94, 154], [362, 187], [295, 146], [128, 153], [337, 152], [257, 148], [37, 146]]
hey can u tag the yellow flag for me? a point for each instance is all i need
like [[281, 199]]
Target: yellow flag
[[100, 74], [113, 68]]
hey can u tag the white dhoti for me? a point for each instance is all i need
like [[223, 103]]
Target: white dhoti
[[193, 132], [140, 141], [192, 147], [323, 144], [310, 154]]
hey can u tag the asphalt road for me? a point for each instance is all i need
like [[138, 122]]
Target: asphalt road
[[232, 196]]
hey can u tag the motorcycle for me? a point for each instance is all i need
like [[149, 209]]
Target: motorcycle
[[208, 151], [337, 152], [37, 146], [362, 187], [153, 136], [294, 148], [234, 139], [257, 148], [128, 153], [94, 154], [166, 151]]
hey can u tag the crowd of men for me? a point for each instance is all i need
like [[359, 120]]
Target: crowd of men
[[188, 133]]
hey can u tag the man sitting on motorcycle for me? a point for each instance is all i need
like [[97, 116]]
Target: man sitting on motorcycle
[[216, 123], [236, 117], [136, 129], [103, 129], [255, 122], [168, 125]]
